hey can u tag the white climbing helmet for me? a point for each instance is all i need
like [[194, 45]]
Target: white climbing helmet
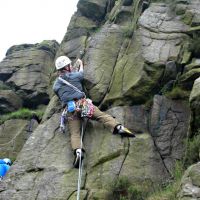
[[62, 61], [7, 161]]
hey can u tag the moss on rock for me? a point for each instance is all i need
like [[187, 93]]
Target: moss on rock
[[190, 76], [187, 17], [133, 79]]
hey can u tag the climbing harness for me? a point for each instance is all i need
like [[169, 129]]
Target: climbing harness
[[82, 107], [85, 107]]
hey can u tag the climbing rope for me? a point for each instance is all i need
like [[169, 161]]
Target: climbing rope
[[80, 164], [62, 128]]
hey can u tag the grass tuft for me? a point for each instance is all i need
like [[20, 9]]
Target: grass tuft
[[170, 191], [23, 113], [178, 93], [123, 189]]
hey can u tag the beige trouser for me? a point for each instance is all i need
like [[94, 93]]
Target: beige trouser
[[74, 124]]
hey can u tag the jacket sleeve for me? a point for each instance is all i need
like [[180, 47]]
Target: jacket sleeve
[[74, 75], [80, 75], [56, 86]]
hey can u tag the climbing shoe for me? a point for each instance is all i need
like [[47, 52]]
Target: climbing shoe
[[79, 155], [124, 132]]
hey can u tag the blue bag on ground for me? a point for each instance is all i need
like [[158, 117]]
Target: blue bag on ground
[[71, 106]]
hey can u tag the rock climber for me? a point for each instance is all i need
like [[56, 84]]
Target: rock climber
[[68, 87], [4, 167]]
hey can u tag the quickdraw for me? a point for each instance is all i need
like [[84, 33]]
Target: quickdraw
[[85, 107], [63, 119]]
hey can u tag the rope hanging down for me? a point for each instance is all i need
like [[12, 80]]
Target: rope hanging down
[[80, 164]]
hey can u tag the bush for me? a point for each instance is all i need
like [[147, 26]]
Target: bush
[[120, 188], [135, 193]]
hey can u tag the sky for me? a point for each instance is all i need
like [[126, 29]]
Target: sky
[[32, 21]]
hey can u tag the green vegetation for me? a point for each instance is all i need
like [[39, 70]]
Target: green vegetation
[[3, 86], [23, 113], [48, 45], [96, 29], [149, 103], [170, 191], [122, 189], [193, 150], [177, 93], [194, 47], [128, 31], [187, 17]]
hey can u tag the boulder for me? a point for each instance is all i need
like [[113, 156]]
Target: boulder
[[161, 34], [22, 67], [73, 47], [190, 183], [19, 48], [40, 171], [87, 7], [38, 168], [13, 135], [151, 54], [9, 101], [123, 16], [100, 59], [143, 164], [187, 79], [193, 65], [122, 71], [170, 72], [53, 107], [132, 78], [79, 26], [169, 123], [194, 7]]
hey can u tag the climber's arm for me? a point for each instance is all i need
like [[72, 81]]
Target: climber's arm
[[79, 62]]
